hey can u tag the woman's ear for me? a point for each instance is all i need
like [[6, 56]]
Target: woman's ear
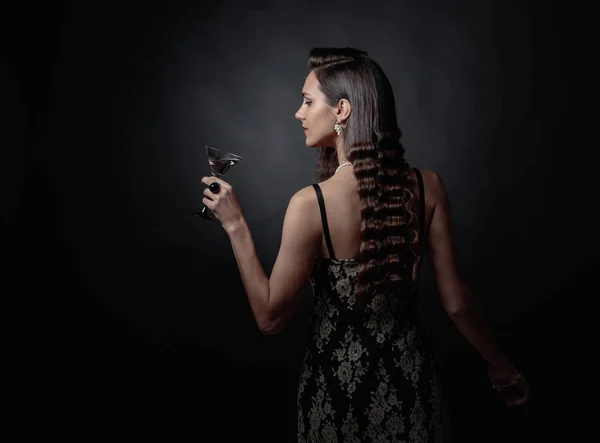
[[343, 110]]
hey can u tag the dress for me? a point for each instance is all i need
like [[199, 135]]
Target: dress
[[366, 375]]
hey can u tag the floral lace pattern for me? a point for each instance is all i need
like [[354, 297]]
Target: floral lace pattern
[[367, 374]]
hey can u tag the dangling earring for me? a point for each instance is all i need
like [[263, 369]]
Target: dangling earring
[[338, 128]]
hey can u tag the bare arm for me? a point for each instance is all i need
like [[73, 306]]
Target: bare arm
[[274, 300], [457, 298]]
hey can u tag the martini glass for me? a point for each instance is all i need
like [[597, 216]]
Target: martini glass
[[220, 162]]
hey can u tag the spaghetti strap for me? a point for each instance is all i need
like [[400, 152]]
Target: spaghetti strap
[[421, 207], [422, 245], [324, 220]]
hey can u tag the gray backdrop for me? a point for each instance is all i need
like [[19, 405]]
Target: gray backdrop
[[139, 306]]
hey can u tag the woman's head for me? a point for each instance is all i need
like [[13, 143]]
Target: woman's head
[[319, 114], [345, 85]]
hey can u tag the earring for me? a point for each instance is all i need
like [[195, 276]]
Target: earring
[[338, 128]]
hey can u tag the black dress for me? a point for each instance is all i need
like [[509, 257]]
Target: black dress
[[367, 374]]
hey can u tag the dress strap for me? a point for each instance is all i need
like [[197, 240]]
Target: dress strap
[[421, 207], [324, 220], [422, 245]]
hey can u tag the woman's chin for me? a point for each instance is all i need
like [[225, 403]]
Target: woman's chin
[[312, 143]]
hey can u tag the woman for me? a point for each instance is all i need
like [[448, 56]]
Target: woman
[[358, 237]]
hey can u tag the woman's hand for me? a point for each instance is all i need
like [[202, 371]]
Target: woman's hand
[[223, 203], [518, 394], [512, 386]]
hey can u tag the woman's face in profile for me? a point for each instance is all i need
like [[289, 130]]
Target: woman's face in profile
[[316, 115]]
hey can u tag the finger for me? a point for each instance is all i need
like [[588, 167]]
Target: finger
[[221, 182], [208, 203], [209, 193], [208, 180], [517, 401], [521, 400]]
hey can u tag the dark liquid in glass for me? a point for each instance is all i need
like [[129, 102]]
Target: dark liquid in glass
[[219, 166]]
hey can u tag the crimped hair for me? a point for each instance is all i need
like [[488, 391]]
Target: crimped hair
[[372, 144]]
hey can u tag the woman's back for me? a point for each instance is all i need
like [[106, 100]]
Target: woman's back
[[343, 210], [367, 371]]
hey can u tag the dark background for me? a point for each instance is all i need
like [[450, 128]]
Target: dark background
[[124, 313]]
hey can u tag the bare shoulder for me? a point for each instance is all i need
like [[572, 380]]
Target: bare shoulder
[[304, 203], [435, 191], [305, 195], [431, 178], [303, 212]]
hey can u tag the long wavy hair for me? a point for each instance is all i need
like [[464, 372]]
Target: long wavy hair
[[372, 144]]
